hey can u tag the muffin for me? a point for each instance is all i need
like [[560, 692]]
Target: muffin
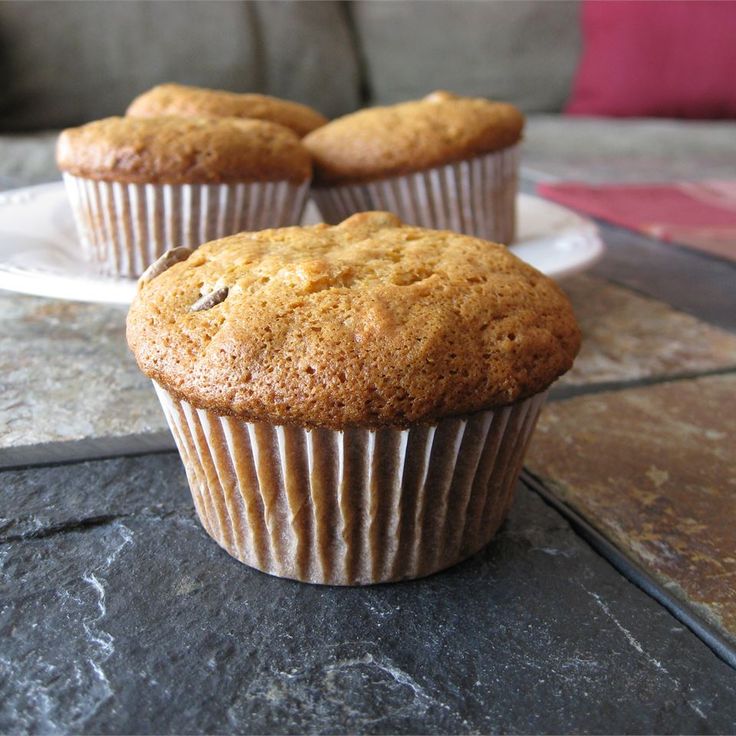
[[352, 403], [140, 186], [184, 101], [442, 162]]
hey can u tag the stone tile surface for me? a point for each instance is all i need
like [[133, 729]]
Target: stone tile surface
[[688, 280], [633, 150], [119, 615], [627, 336], [27, 159], [654, 469], [66, 374]]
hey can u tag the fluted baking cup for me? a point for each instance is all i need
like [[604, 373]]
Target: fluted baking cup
[[357, 506], [475, 197], [123, 228]]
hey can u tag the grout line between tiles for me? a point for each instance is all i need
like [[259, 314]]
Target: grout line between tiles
[[708, 634], [588, 389], [72, 451]]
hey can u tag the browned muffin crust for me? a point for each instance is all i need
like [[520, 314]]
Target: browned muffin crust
[[381, 142], [367, 323], [171, 150], [179, 99]]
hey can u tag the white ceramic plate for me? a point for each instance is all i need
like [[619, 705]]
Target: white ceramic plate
[[39, 251]]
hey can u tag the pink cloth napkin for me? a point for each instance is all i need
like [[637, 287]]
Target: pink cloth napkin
[[701, 215]]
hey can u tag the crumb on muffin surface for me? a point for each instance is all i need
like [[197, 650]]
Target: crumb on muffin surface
[[367, 323]]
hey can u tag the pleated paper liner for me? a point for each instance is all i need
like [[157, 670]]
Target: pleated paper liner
[[123, 228], [476, 197], [352, 507]]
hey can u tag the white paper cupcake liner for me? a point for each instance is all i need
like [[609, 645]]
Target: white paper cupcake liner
[[475, 197], [123, 228], [357, 506]]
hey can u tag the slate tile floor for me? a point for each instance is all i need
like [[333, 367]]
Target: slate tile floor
[[66, 375], [119, 614], [654, 469], [630, 337]]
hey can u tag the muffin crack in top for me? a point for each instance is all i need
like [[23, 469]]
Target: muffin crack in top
[[368, 323]]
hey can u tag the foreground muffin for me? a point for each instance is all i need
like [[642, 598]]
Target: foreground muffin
[[185, 101], [139, 187], [352, 404], [445, 161]]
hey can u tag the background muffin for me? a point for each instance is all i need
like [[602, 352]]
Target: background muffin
[[140, 186], [179, 99], [444, 161], [352, 403]]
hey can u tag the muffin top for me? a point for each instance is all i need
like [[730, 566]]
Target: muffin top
[[390, 141], [367, 323], [171, 150], [178, 99]]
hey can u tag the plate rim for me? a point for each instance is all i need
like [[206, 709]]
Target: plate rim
[[115, 290]]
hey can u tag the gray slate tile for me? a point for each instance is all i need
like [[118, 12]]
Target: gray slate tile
[[139, 623]]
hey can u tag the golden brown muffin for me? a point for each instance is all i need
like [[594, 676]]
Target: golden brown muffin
[[368, 323], [171, 150], [348, 402], [178, 99], [382, 142]]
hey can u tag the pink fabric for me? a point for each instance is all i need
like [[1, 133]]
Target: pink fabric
[[701, 215], [659, 59]]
